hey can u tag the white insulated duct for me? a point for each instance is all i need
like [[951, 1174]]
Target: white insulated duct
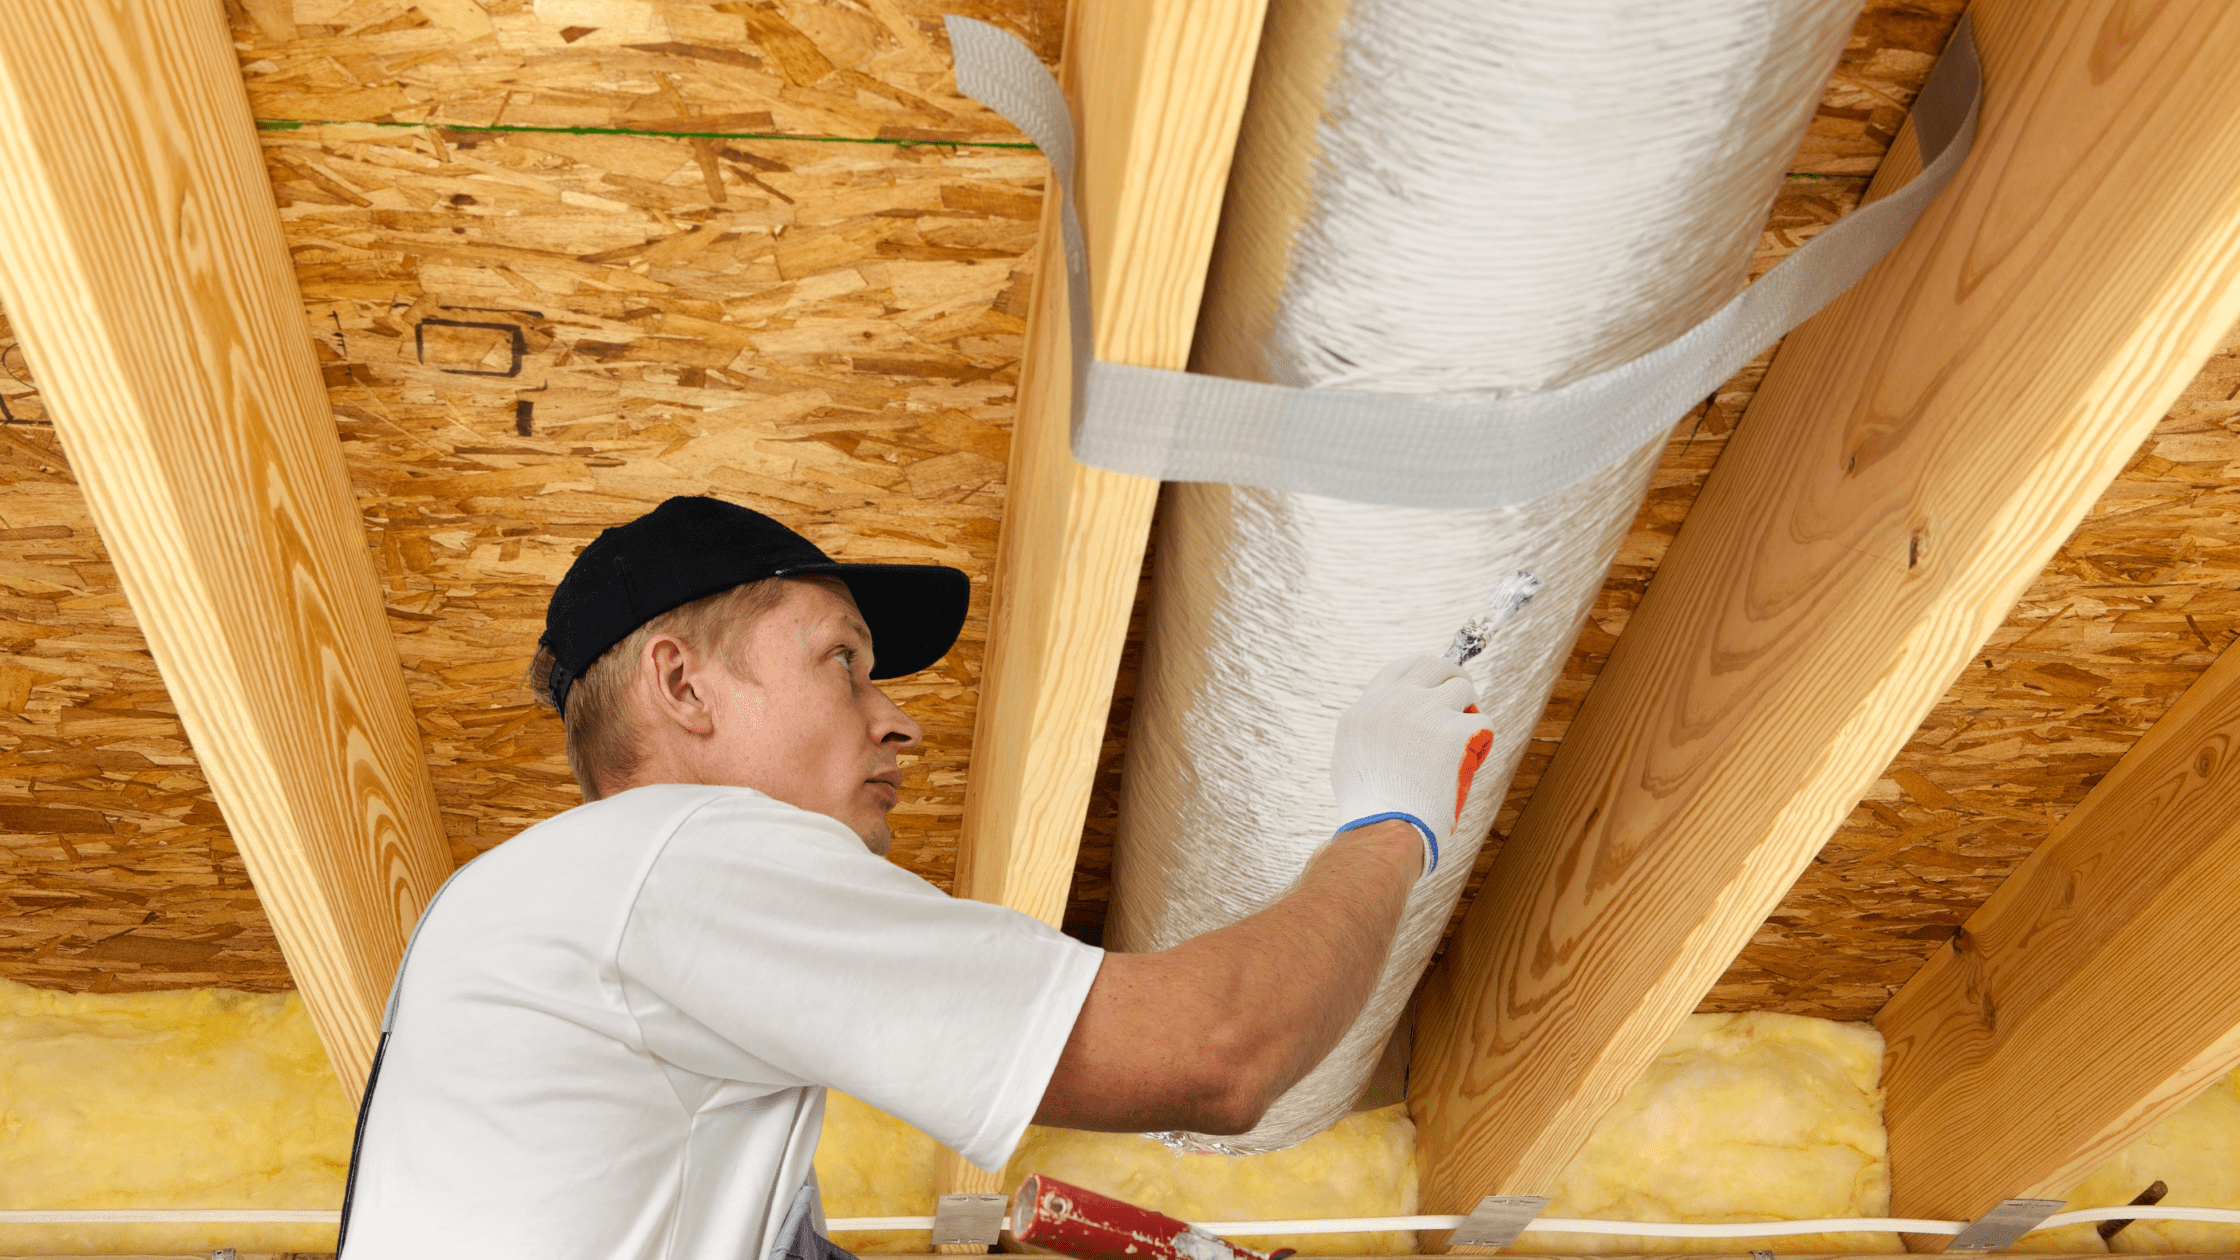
[[1430, 197]]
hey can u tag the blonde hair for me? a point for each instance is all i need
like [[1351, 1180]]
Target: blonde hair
[[603, 730]]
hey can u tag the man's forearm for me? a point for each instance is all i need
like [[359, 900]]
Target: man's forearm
[[1299, 972], [1205, 1035]]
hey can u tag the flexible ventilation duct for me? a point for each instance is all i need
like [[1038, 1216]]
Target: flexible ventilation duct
[[1430, 196]]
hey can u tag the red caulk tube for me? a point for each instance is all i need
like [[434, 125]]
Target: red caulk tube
[[1089, 1226]]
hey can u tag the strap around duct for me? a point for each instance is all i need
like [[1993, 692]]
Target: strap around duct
[[1441, 451]]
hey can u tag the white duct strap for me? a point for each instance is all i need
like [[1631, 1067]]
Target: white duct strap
[[1442, 451]]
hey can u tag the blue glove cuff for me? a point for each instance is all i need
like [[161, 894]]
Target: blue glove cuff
[[1430, 837]]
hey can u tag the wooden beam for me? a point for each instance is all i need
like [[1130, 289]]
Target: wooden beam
[[1157, 88], [1917, 453], [2093, 994], [142, 262]]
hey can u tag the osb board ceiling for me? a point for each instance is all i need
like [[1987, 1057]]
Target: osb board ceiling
[[105, 823], [531, 334]]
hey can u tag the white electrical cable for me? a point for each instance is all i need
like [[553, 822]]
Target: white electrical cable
[[1635, 1229], [1337, 1225], [172, 1216]]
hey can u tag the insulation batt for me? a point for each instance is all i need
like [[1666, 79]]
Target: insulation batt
[[208, 1098], [1497, 209], [871, 1164], [2195, 1151], [196, 1098], [1755, 1117]]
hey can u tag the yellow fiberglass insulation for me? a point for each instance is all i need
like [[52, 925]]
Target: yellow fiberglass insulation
[[1753, 1117], [196, 1098], [871, 1164], [209, 1098], [2195, 1153]]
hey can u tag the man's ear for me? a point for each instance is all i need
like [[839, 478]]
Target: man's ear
[[671, 681]]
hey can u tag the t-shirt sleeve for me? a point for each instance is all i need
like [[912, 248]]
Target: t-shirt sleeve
[[768, 945]]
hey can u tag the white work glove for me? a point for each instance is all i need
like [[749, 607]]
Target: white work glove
[[1408, 749]]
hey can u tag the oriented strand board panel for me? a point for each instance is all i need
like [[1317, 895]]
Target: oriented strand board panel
[[530, 336], [837, 68], [567, 331], [115, 870]]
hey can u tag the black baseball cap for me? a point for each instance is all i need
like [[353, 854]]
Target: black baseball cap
[[690, 547]]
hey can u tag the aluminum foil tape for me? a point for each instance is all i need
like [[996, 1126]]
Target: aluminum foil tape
[[1430, 196]]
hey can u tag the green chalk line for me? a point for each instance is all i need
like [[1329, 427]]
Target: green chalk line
[[298, 124]]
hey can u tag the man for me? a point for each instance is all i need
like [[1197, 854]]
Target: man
[[613, 1033]]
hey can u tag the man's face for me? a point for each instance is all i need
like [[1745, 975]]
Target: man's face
[[801, 721]]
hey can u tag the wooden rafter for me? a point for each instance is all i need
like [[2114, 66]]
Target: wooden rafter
[[1915, 455], [2095, 992], [142, 262], [1157, 88]]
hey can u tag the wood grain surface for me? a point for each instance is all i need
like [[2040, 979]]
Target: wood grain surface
[[2135, 605], [142, 262], [2094, 993], [1914, 457], [1158, 92]]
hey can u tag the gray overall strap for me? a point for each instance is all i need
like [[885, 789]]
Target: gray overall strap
[[801, 1236], [380, 1049], [1440, 451]]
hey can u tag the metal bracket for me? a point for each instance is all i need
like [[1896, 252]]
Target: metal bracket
[[2003, 1225], [1497, 1220], [969, 1218]]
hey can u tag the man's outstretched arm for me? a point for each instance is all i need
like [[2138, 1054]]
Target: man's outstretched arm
[[1204, 1036]]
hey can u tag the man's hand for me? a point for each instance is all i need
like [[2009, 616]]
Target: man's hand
[[1408, 750]]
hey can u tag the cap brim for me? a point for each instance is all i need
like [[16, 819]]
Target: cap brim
[[914, 610]]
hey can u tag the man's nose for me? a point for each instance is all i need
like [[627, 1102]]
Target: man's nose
[[896, 727]]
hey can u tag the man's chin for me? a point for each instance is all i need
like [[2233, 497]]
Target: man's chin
[[877, 837]]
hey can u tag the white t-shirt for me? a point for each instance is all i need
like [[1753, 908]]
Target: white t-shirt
[[614, 1031]]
